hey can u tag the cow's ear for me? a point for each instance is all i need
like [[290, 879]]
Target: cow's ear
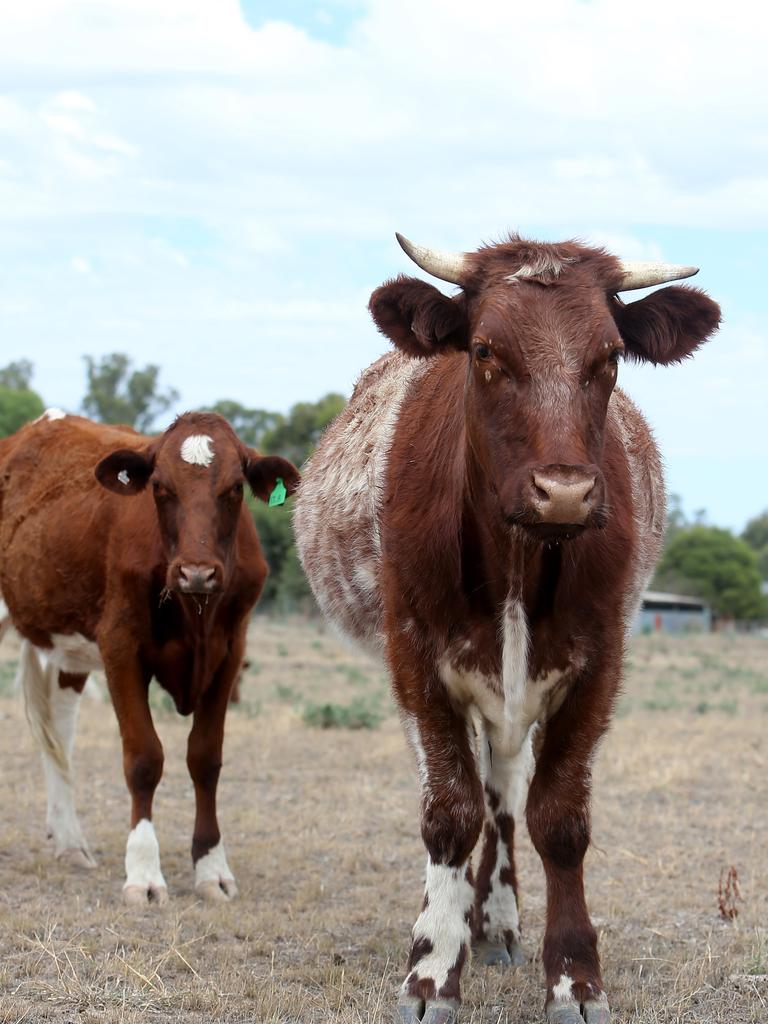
[[418, 318], [125, 471], [667, 325], [264, 473]]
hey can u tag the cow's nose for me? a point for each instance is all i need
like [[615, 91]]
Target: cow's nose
[[197, 579], [564, 495]]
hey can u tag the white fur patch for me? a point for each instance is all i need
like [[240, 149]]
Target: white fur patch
[[341, 497], [443, 922], [5, 619], [197, 450], [142, 858], [51, 414], [213, 867], [562, 992], [73, 653]]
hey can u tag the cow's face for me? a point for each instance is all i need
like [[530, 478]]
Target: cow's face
[[197, 471], [544, 335]]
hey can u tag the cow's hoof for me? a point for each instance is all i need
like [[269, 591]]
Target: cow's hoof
[[593, 1011], [221, 891], [412, 1010], [497, 954], [142, 895], [77, 857]]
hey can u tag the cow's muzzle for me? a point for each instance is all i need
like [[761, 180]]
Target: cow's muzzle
[[196, 578], [559, 502]]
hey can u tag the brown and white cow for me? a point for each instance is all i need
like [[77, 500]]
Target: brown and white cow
[[137, 555], [485, 514]]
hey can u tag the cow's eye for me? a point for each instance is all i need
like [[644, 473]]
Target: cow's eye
[[482, 352], [615, 356], [237, 489]]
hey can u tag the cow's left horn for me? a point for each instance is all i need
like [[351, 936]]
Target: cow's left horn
[[643, 275], [448, 266]]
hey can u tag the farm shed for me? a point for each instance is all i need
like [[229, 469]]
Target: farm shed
[[672, 613]]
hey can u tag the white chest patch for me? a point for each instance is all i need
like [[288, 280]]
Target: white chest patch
[[197, 450]]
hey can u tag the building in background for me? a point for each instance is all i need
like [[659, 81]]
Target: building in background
[[672, 613]]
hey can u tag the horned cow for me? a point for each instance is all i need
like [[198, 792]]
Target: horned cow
[[484, 515]]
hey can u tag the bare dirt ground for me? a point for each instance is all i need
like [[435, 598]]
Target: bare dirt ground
[[322, 832]]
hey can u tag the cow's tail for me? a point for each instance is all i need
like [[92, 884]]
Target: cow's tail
[[37, 681], [5, 618]]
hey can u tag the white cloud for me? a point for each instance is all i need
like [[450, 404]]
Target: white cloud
[[237, 190]]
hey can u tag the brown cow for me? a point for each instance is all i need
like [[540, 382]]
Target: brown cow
[[99, 569], [484, 515]]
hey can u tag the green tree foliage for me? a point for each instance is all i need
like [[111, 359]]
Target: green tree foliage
[[295, 436], [715, 565], [250, 425], [117, 393], [18, 402], [17, 376], [756, 535]]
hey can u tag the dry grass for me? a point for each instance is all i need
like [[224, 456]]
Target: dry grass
[[322, 831]]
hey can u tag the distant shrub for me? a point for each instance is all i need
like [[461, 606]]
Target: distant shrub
[[357, 715]]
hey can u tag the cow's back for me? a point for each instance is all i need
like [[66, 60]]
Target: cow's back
[[52, 509], [338, 506]]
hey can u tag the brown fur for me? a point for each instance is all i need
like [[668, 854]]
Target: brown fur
[[520, 379], [105, 562]]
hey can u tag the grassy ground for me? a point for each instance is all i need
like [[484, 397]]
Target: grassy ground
[[322, 831]]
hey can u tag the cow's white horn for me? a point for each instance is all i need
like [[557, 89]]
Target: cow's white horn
[[643, 275], [448, 266]]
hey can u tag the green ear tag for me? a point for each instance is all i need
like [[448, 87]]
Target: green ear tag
[[279, 494]]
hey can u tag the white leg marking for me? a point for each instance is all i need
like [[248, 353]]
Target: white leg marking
[[444, 923], [143, 878], [563, 990], [62, 821], [213, 878]]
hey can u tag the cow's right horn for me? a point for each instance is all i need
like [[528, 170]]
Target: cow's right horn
[[448, 266]]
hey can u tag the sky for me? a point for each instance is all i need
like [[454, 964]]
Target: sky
[[214, 186]]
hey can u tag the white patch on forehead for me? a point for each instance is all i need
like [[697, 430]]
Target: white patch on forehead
[[197, 450], [123, 477], [545, 265]]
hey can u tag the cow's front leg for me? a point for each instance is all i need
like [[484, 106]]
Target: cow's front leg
[[496, 921], [143, 768], [451, 819], [559, 824], [214, 880]]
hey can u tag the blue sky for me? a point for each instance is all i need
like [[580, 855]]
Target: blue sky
[[215, 186]]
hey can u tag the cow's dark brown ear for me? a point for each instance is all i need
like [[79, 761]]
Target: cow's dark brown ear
[[418, 318], [667, 325], [125, 471], [263, 472]]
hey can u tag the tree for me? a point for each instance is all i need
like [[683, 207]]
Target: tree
[[18, 402], [17, 376], [715, 565], [18, 408], [756, 535], [250, 425], [295, 436], [119, 394]]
